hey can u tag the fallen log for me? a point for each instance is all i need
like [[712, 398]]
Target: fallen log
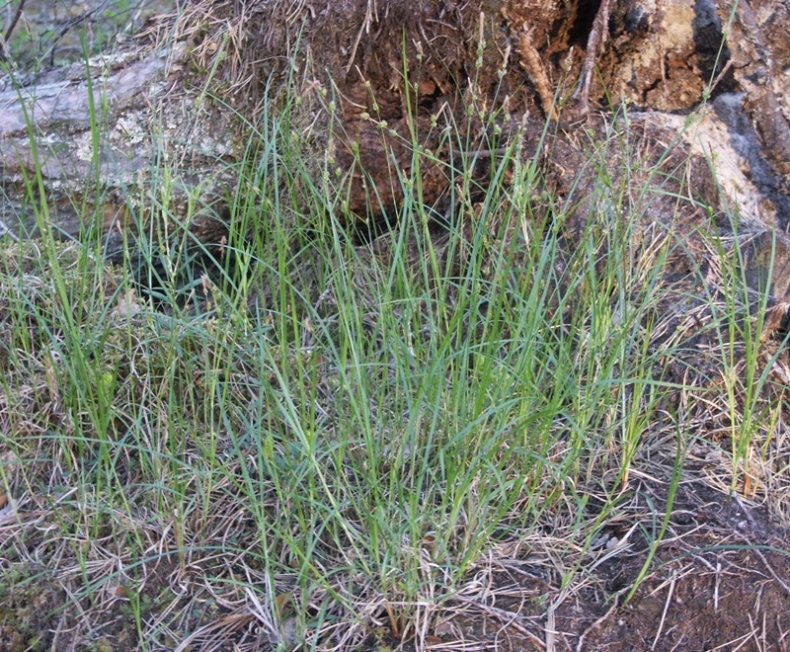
[[93, 140], [378, 84]]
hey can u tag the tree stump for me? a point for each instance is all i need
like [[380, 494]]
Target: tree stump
[[380, 82]]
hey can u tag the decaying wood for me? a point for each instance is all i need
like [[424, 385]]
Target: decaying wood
[[141, 126], [381, 70]]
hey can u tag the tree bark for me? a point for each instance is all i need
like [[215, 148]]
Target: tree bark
[[97, 139], [162, 143]]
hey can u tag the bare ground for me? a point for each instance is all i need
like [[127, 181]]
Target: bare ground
[[718, 580]]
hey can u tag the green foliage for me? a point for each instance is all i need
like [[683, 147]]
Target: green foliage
[[320, 426], [55, 32]]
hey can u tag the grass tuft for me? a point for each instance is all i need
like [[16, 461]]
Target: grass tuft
[[328, 438]]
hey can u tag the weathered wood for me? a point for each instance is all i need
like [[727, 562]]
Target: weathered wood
[[144, 122], [512, 56]]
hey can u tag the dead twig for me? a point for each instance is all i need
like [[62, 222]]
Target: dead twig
[[10, 29], [664, 613], [509, 618]]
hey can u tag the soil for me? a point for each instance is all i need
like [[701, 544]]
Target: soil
[[719, 580]]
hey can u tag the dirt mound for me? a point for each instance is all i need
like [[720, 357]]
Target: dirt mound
[[710, 585]]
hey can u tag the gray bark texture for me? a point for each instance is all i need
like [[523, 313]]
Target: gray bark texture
[[100, 135]]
